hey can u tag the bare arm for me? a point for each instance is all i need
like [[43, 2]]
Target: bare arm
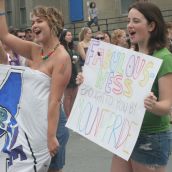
[[163, 105], [20, 46], [81, 51], [3, 55], [60, 78]]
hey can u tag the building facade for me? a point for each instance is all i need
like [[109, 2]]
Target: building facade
[[18, 11]]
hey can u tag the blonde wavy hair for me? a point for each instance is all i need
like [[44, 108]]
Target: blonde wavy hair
[[116, 35], [83, 32], [53, 17]]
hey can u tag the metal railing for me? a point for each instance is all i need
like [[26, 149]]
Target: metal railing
[[109, 24]]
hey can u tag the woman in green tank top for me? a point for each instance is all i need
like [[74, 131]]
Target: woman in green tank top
[[146, 28]]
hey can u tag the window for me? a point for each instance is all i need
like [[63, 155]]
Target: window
[[22, 13], [22, 3], [125, 4], [8, 5]]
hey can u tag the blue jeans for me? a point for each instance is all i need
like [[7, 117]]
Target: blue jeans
[[153, 149]]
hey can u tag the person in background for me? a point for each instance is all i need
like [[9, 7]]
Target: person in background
[[29, 35], [169, 35], [13, 30], [119, 37], [66, 40], [93, 15], [51, 59], [85, 36], [107, 36], [21, 34], [99, 36], [14, 59], [147, 29]]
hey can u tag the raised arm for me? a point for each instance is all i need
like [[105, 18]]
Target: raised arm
[[20, 46]]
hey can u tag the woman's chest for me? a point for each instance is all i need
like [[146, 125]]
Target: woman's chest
[[44, 66]]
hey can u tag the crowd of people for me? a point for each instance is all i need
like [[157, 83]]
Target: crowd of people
[[146, 32]]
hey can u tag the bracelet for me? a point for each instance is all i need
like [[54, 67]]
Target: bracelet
[[2, 13]]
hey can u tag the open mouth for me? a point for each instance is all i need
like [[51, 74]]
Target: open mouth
[[37, 32], [132, 33]]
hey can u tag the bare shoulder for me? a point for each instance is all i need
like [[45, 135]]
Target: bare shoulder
[[61, 60], [61, 66], [81, 44], [62, 55]]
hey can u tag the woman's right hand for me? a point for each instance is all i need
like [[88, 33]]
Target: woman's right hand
[[53, 146], [79, 78]]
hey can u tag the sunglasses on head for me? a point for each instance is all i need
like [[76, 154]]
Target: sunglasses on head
[[99, 38]]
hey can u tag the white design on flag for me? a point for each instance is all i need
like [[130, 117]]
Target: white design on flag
[[23, 119]]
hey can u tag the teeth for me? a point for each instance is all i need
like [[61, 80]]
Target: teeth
[[37, 32], [132, 33]]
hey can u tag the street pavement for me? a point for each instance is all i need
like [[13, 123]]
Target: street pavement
[[83, 155]]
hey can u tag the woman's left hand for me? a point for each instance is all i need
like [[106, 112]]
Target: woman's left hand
[[79, 78], [150, 102]]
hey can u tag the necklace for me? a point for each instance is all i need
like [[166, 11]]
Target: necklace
[[50, 53]]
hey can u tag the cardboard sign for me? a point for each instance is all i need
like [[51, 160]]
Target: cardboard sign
[[109, 107]]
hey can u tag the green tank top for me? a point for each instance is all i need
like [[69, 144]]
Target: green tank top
[[151, 122]]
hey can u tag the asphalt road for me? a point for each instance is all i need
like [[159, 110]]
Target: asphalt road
[[85, 156]]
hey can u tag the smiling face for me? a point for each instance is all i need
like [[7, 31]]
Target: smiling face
[[40, 29], [107, 38], [146, 27], [68, 37], [138, 27], [47, 22]]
